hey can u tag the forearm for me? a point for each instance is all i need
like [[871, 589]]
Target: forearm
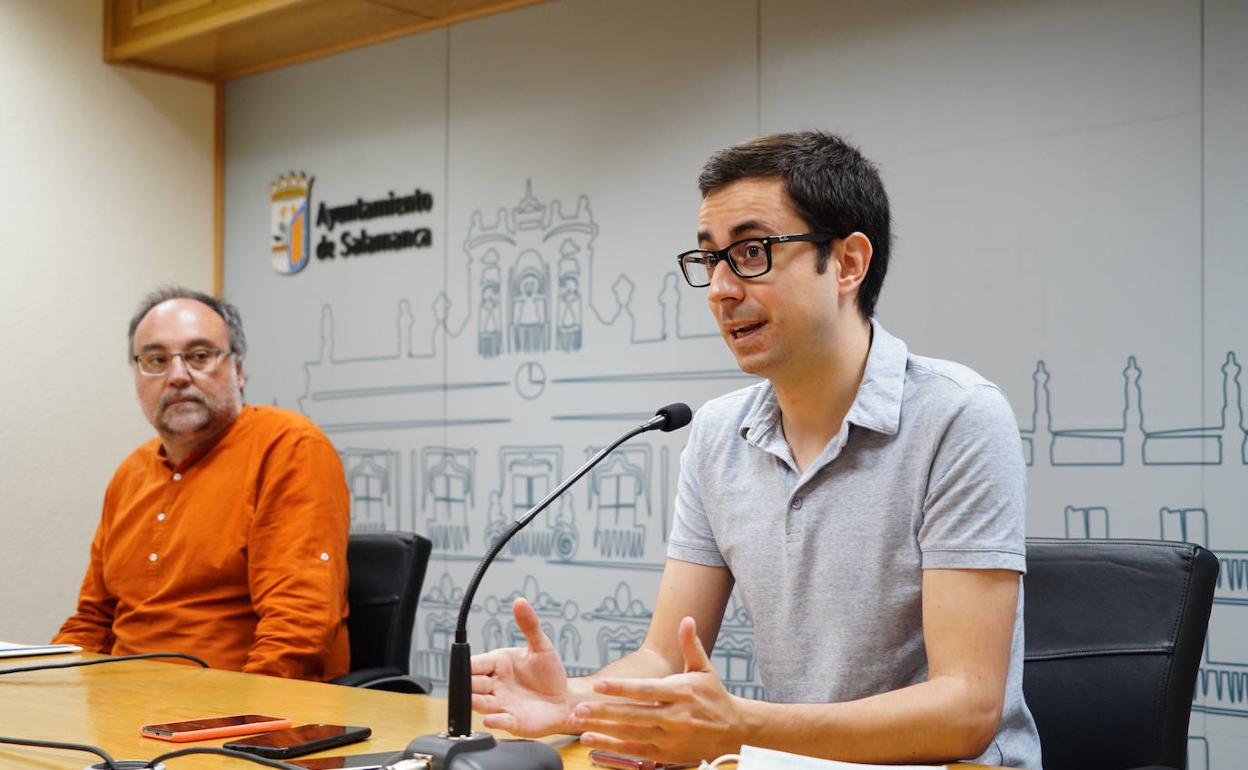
[[92, 632], [939, 720], [642, 663]]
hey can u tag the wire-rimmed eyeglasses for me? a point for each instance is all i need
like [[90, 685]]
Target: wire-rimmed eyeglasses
[[154, 363]]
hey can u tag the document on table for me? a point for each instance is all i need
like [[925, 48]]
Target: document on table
[[754, 758], [14, 650]]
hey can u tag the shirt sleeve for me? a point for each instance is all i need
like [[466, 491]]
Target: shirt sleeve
[[297, 562], [973, 514], [692, 538], [91, 625]]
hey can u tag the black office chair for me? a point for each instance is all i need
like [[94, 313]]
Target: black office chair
[[386, 572], [1114, 634]]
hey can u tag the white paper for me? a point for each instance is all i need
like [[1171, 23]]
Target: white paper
[[754, 758], [15, 650]]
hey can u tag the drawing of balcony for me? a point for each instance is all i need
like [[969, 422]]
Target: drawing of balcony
[[618, 641], [528, 474], [372, 481], [500, 629], [1232, 585], [1130, 442], [434, 660], [447, 495], [1222, 682], [1090, 522], [733, 659], [619, 494]]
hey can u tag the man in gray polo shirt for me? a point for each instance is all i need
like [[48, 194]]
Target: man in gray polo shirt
[[866, 503]]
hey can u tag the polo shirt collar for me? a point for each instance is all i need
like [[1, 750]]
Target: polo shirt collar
[[877, 406]]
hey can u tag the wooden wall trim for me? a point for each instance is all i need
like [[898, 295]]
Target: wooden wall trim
[[218, 190]]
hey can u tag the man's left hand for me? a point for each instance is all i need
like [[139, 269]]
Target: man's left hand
[[683, 717]]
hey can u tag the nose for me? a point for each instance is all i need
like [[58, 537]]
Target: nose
[[179, 373], [726, 286]]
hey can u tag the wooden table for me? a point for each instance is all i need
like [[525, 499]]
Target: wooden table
[[105, 705]]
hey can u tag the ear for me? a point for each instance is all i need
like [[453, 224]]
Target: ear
[[854, 252], [238, 369]]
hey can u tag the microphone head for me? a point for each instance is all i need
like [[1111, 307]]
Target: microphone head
[[676, 416]]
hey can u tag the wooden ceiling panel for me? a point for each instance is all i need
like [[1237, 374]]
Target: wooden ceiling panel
[[222, 39]]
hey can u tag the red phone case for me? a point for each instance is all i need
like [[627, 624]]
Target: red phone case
[[167, 731]]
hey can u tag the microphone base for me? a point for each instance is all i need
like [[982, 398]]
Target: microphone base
[[481, 751]]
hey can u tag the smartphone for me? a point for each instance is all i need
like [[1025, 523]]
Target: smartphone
[[300, 740], [349, 762], [620, 762], [214, 727]]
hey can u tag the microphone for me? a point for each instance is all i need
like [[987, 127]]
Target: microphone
[[459, 748]]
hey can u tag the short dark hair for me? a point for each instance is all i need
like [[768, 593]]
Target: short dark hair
[[228, 313], [832, 186]]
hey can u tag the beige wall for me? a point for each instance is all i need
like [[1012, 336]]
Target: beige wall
[[105, 191]]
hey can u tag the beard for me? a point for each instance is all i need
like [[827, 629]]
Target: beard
[[193, 413]]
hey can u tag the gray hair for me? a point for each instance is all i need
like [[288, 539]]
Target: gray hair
[[228, 313]]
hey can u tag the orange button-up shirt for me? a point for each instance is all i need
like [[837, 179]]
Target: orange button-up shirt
[[237, 556]]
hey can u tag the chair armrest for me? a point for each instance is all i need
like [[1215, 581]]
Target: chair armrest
[[412, 685]]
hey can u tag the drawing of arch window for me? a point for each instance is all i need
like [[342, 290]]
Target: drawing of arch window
[[372, 478], [492, 633], [447, 494], [568, 326], [528, 475], [620, 493], [489, 316], [569, 643], [528, 298]]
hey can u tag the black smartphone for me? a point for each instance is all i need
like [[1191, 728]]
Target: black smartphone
[[349, 762], [297, 741]]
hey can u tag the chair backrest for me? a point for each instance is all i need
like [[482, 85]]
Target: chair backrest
[[1114, 635], [386, 570]]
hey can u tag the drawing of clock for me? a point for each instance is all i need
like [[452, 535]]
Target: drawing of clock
[[530, 380]]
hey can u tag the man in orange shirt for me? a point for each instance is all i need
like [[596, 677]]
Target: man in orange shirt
[[226, 536]]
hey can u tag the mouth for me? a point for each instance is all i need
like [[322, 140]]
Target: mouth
[[181, 400], [745, 330]]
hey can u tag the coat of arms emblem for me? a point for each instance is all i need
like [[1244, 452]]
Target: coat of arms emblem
[[291, 234]]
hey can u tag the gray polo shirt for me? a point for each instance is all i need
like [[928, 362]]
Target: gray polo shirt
[[926, 473]]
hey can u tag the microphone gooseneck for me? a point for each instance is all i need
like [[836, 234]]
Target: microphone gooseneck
[[459, 746], [459, 687]]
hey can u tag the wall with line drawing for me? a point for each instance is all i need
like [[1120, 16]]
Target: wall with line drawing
[[476, 285]]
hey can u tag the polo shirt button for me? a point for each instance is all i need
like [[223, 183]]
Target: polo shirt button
[[177, 477], [324, 556], [151, 557], [160, 516], [796, 504]]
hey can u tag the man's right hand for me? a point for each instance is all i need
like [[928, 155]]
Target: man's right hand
[[523, 690]]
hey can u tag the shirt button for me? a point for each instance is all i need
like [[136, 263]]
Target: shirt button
[[151, 557], [796, 504], [160, 516], [324, 556], [177, 477]]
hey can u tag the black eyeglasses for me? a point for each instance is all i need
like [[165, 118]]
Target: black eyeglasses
[[748, 258]]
